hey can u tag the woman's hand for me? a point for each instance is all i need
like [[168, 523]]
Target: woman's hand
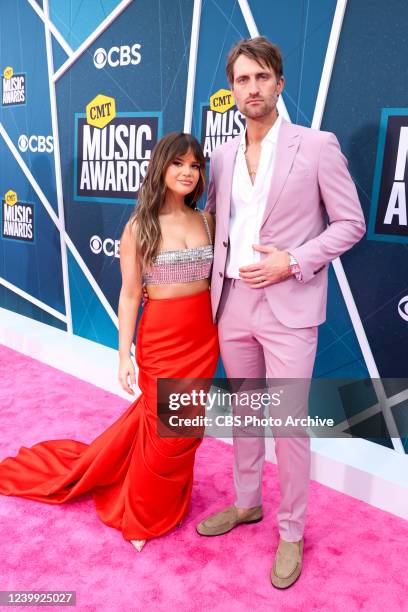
[[127, 374]]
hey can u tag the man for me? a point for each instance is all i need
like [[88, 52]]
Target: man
[[274, 190]]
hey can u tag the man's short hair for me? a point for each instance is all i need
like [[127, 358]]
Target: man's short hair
[[259, 49]]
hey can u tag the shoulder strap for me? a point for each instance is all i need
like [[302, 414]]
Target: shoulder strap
[[206, 225]]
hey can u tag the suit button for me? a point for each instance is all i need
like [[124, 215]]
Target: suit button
[[221, 274], [225, 243]]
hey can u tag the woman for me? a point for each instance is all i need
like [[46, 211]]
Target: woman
[[141, 482]]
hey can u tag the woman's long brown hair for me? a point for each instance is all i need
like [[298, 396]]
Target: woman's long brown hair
[[153, 190]]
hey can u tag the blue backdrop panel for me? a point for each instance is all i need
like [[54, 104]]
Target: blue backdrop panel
[[301, 29], [153, 90], [90, 319], [16, 303], [58, 53], [34, 266], [373, 39], [76, 19], [22, 46]]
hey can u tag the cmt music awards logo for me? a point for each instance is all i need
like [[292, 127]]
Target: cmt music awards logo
[[112, 151], [13, 88], [388, 215], [124, 55], [17, 218], [220, 121]]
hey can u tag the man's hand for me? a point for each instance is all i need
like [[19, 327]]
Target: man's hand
[[274, 268]]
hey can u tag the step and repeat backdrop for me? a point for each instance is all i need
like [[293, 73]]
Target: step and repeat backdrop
[[89, 87]]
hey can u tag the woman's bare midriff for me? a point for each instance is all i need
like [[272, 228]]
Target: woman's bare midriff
[[170, 290]]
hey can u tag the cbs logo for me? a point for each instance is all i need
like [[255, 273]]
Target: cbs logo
[[109, 246], [36, 144], [117, 56], [403, 308]]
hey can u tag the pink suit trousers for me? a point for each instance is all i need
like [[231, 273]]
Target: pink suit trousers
[[254, 344]]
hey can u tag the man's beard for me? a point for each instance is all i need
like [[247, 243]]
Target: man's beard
[[256, 112]]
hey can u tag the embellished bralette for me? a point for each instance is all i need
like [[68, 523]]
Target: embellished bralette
[[182, 265]]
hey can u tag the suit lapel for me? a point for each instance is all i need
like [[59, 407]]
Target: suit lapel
[[226, 174], [286, 149]]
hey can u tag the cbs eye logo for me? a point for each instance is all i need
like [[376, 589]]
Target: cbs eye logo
[[36, 143], [96, 244], [403, 308], [110, 247], [117, 56]]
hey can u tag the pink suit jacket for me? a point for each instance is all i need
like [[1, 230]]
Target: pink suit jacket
[[313, 211]]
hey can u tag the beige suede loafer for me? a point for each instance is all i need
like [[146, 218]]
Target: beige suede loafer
[[288, 564], [222, 522]]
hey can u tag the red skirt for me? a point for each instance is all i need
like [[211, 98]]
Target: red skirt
[[141, 483]]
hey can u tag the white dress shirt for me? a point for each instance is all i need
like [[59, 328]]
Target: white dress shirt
[[248, 202]]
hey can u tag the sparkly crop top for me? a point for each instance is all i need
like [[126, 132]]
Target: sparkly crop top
[[183, 265]]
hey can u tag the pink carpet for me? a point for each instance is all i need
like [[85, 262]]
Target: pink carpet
[[355, 556]]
